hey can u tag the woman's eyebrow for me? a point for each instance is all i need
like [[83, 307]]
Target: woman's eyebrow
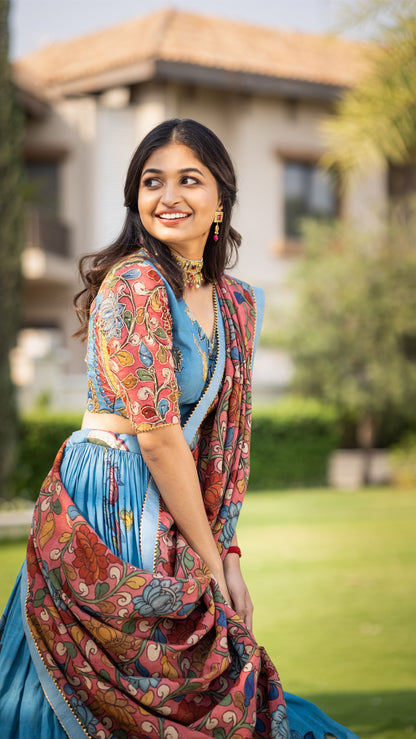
[[153, 170], [191, 169]]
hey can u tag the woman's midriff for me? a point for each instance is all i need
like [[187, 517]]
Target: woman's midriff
[[107, 422]]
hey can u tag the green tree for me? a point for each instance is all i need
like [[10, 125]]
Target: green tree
[[375, 121], [352, 327], [10, 248], [352, 332]]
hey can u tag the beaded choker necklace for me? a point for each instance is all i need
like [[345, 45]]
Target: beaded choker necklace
[[191, 270]]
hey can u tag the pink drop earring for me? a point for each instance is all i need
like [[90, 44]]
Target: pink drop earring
[[219, 215]]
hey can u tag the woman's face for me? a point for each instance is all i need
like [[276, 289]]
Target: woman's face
[[178, 197]]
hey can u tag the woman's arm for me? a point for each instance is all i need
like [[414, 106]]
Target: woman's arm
[[240, 596], [140, 365], [172, 466]]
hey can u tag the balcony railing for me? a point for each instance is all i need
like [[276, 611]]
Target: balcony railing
[[47, 233]]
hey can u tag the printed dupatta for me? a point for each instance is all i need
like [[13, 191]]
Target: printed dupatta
[[130, 652]]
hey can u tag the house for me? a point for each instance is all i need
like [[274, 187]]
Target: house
[[263, 91], [42, 361]]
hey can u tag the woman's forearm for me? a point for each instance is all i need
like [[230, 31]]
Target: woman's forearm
[[172, 466], [237, 588]]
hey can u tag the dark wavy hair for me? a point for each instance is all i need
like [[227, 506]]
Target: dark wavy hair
[[217, 254]]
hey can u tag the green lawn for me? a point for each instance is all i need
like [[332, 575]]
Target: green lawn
[[333, 577]]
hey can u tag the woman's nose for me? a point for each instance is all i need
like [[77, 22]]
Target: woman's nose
[[170, 194]]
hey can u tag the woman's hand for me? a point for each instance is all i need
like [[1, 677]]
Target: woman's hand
[[238, 589], [223, 586]]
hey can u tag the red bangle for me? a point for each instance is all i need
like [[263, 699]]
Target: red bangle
[[234, 550]]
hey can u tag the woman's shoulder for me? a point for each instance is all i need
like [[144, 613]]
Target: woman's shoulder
[[135, 279], [135, 266], [134, 273]]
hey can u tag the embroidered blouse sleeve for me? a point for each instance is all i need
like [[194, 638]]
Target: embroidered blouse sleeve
[[135, 330]]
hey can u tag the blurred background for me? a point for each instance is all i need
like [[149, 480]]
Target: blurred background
[[263, 87], [316, 102]]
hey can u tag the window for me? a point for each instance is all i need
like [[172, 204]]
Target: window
[[402, 182], [43, 185], [309, 192], [45, 229], [402, 190]]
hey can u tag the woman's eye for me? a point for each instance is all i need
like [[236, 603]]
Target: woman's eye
[[151, 182], [154, 182], [188, 180]]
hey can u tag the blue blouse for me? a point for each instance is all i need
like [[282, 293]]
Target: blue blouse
[[193, 354]]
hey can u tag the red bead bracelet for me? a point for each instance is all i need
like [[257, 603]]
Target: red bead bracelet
[[234, 550]]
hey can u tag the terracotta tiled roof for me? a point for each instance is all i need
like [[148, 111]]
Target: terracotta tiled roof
[[204, 41], [31, 97], [25, 81]]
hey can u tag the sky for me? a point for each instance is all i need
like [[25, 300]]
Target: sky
[[35, 23]]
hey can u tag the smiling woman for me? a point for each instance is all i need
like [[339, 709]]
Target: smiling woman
[[178, 203], [130, 617]]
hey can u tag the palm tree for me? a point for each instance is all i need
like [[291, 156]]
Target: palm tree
[[375, 122]]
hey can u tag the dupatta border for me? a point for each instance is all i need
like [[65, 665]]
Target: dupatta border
[[198, 414], [149, 523], [53, 695], [260, 300]]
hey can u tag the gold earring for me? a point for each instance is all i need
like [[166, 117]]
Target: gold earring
[[219, 215]]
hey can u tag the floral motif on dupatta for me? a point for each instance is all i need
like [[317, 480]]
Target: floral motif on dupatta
[[158, 654]]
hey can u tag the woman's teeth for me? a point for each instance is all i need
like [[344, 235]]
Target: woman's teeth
[[171, 216]]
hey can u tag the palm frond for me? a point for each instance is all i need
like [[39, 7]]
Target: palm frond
[[376, 121]]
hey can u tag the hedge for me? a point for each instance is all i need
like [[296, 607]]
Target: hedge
[[291, 442], [40, 436]]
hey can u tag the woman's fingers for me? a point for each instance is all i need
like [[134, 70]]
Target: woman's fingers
[[243, 605], [248, 619], [240, 596]]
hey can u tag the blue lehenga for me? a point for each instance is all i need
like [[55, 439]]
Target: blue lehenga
[[107, 479]]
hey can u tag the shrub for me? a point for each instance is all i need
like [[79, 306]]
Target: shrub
[[40, 436], [403, 461], [291, 442], [351, 329]]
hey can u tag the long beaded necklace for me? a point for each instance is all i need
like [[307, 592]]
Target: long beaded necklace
[[191, 270]]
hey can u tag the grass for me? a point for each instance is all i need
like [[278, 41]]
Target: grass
[[332, 576]]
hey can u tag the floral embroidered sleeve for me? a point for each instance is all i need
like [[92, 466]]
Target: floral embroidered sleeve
[[135, 334]]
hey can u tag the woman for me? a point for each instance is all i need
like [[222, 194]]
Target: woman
[[137, 620]]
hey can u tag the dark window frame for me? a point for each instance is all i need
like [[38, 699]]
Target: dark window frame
[[291, 243]]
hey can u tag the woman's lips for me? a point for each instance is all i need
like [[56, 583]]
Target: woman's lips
[[174, 217]]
